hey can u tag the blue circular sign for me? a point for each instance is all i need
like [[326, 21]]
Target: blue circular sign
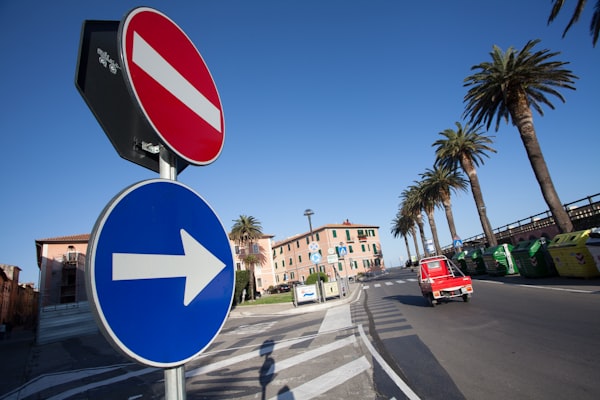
[[159, 273]]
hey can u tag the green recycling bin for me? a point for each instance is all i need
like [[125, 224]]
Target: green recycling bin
[[571, 256], [461, 260], [475, 264], [499, 260], [593, 245], [533, 259]]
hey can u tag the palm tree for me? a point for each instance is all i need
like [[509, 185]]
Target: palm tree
[[402, 225], [594, 25], [411, 206], [466, 147], [440, 182], [245, 231], [510, 85], [428, 202]]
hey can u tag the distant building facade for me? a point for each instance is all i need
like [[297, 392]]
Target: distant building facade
[[18, 301], [261, 250], [363, 253]]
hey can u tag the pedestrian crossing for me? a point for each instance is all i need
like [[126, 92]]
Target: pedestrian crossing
[[390, 283]]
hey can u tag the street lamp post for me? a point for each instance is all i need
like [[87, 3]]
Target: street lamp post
[[308, 212]]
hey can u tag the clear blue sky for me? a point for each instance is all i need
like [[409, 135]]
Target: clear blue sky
[[358, 89]]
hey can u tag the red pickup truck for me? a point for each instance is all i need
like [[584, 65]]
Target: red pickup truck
[[440, 279]]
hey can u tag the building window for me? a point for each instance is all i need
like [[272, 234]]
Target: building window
[[375, 251], [362, 246], [307, 240], [255, 248], [340, 267], [348, 238], [282, 263], [237, 249], [275, 265], [299, 258], [297, 244], [238, 266], [317, 235], [291, 261], [259, 282], [334, 233], [350, 249], [289, 247], [292, 276]]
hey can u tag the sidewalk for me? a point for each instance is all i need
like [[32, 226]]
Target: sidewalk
[[21, 360], [289, 308]]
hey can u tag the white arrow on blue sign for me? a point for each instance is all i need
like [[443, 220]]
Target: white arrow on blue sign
[[315, 258], [160, 273]]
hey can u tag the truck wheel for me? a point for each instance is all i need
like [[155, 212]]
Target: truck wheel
[[466, 298], [431, 300]]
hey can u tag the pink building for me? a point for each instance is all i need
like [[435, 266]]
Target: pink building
[[264, 274], [346, 250]]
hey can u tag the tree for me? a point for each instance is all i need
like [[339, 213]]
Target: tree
[[428, 202], [509, 86], [594, 25], [403, 226], [245, 231], [466, 147], [411, 207], [440, 182]]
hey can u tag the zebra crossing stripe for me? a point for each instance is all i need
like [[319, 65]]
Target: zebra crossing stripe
[[327, 381], [308, 355], [400, 281], [389, 283]]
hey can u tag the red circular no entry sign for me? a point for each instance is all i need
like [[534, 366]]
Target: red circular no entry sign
[[172, 85]]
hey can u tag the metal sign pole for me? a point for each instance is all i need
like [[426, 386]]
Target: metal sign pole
[[174, 377]]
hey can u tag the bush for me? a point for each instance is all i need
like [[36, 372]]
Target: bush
[[312, 278], [242, 278]]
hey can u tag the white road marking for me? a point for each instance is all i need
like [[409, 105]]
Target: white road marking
[[327, 381], [385, 366]]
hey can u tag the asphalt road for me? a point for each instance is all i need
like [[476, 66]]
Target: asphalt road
[[517, 338]]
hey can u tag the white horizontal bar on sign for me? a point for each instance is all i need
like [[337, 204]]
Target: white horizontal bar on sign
[[168, 77]]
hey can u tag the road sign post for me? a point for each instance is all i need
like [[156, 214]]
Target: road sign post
[[159, 269]]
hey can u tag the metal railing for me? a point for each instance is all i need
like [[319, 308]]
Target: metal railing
[[584, 213]]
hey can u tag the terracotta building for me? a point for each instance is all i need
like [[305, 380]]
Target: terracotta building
[[353, 248]]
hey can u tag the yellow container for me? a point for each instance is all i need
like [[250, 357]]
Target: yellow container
[[571, 256]]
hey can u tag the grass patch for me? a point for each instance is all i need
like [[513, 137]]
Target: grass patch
[[270, 299]]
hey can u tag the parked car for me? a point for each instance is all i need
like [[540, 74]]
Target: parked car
[[281, 288]]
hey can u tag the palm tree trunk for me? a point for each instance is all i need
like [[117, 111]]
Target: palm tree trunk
[[414, 235], [251, 282], [449, 215], [471, 172], [523, 119], [421, 226], [407, 247], [434, 234]]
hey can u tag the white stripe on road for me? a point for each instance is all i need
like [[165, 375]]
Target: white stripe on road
[[377, 285], [308, 355], [327, 381], [168, 77], [401, 281], [389, 283], [385, 366], [242, 357], [365, 287]]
